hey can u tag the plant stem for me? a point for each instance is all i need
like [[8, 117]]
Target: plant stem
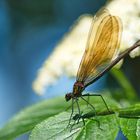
[[125, 84]]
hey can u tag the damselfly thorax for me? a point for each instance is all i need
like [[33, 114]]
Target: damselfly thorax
[[78, 87]]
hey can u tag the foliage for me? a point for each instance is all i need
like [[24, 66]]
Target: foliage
[[49, 119]]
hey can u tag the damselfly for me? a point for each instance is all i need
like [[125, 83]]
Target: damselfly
[[100, 55]]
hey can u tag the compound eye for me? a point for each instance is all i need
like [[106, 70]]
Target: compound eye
[[68, 96]]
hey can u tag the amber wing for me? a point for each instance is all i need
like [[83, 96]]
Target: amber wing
[[102, 46]]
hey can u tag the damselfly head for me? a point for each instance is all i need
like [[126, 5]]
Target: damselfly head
[[68, 96]]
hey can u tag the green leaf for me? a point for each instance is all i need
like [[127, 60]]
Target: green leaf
[[43, 114], [130, 128], [130, 123], [56, 128], [130, 112], [28, 118]]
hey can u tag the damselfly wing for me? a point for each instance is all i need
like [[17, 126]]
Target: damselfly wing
[[102, 47]]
